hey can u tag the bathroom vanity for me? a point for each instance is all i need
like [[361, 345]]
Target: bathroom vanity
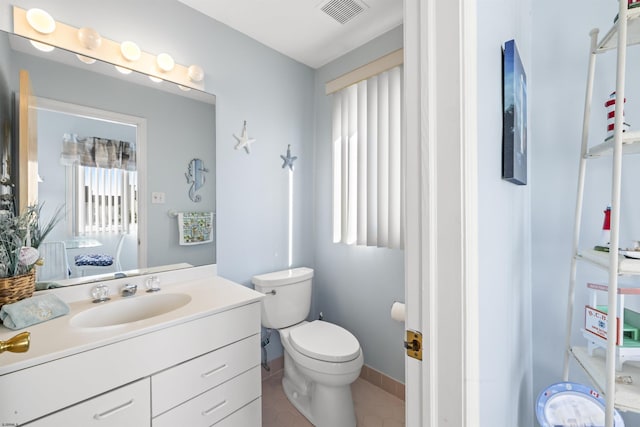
[[186, 355]]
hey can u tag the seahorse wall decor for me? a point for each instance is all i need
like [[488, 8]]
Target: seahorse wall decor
[[195, 177]]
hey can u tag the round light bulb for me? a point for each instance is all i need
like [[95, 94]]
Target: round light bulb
[[89, 38], [130, 51], [41, 21], [155, 79], [165, 62], [85, 59], [41, 46], [122, 69], [195, 73]]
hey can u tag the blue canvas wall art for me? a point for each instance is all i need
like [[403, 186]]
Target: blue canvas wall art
[[514, 122]]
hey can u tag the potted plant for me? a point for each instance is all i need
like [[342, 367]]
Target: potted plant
[[20, 236]]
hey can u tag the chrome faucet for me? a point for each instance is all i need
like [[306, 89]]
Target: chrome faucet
[[128, 290]]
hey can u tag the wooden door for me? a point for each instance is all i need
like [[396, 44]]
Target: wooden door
[[27, 191]]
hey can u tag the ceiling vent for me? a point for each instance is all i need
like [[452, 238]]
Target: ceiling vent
[[343, 10]]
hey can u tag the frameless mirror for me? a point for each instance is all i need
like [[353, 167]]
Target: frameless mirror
[[88, 108]]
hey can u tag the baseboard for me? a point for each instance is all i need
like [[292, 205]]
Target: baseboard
[[369, 374], [383, 381], [275, 366]]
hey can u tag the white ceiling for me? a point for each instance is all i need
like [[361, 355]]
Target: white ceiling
[[299, 28]]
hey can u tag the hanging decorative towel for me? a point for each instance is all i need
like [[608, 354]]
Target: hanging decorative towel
[[195, 228]]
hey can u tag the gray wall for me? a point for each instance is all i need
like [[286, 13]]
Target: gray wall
[[504, 238], [355, 285], [560, 51]]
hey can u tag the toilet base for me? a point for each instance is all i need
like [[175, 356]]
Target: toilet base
[[322, 405]]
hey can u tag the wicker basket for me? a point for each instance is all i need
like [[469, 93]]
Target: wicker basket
[[15, 288]]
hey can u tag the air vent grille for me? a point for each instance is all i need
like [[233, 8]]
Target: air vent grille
[[343, 10]]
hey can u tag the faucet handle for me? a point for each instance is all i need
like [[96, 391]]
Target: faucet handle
[[100, 293], [153, 284], [128, 289]]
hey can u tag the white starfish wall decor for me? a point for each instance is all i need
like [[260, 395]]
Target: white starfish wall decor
[[243, 140]]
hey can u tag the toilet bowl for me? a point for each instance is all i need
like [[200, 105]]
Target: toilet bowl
[[321, 359], [320, 386]]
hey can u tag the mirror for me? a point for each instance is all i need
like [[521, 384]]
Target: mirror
[[168, 127]]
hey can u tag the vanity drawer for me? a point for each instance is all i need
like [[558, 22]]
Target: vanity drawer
[[215, 404], [127, 406], [249, 415], [180, 383]]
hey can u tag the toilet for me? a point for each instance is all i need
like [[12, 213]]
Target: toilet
[[321, 359]]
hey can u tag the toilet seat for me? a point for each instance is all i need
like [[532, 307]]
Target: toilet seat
[[325, 341]]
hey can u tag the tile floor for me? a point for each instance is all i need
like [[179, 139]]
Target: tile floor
[[374, 406]]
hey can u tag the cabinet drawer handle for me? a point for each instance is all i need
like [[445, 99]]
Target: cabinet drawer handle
[[213, 408], [112, 411], [213, 371]]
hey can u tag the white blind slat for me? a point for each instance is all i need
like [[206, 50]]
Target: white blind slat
[[336, 150], [383, 160], [344, 157], [361, 164], [352, 167], [395, 160], [372, 162]]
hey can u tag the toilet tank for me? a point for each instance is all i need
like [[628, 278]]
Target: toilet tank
[[288, 296]]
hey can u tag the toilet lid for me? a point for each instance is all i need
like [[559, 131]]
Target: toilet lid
[[325, 341]]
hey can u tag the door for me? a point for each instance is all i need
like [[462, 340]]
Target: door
[[27, 145], [441, 214]]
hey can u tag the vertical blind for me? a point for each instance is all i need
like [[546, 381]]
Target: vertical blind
[[367, 180], [106, 200], [105, 181]]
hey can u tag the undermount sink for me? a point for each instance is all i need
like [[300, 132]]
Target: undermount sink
[[131, 309]]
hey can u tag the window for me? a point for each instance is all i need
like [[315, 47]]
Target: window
[[106, 200], [367, 180], [105, 182]]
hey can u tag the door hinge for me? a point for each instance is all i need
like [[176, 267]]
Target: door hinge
[[413, 344]]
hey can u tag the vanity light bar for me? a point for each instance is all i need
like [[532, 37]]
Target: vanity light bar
[[66, 37]]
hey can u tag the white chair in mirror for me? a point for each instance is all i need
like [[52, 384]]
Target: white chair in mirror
[[108, 262], [55, 263]]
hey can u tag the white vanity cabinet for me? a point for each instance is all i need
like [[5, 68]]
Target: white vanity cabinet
[[200, 369]]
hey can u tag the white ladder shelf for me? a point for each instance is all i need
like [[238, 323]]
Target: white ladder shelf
[[601, 366]]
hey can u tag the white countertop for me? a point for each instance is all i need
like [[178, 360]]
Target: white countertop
[[58, 338]]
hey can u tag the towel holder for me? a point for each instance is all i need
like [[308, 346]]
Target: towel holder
[[174, 213]]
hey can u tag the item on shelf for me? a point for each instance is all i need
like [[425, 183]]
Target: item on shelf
[[605, 236], [572, 404], [635, 254], [611, 115]]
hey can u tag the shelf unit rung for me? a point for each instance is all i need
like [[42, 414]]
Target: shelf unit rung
[[610, 40], [630, 145], [627, 395], [626, 266]]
